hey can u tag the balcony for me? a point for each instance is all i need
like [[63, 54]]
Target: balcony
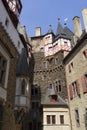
[[13, 8]]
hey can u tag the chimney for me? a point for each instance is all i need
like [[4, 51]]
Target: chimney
[[84, 14], [77, 26], [38, 31]]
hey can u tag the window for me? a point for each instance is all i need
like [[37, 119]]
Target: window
[[72, 64], [41, 49], [30, 126], [44, 77], [48, 119], [70, 67], [34, 125], [44, 64], [7, 22], [47, 37], [61, 119], [86, 117], [23, 87], [3, 65], [85, 53], [50, 86], [84, 83], [56, 60], [18, 44], [65, 42], [34, 91], [35, 105], [77, 118], [74, 89], [58, 86], [51, 119]]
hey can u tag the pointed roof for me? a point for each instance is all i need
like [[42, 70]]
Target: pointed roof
[[50, 29], [69, 35], [22, 67], [68, 32], [59, 28]]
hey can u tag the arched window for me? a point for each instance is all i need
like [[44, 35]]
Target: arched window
[[23, 87]]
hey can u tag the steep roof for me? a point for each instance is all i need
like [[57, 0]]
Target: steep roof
[[69, 35], [60, 32], [22, 67], [50, 30], [59, 29], [68, 32]]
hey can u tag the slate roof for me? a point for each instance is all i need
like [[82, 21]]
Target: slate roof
[[69, 35], [59, 29], [60, 32], [22, 67], [46, 99], [68, 32], [50, 30]]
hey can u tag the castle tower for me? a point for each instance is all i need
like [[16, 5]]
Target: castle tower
[[48, 47]]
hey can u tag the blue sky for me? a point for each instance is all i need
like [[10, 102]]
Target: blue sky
[[45, 12]]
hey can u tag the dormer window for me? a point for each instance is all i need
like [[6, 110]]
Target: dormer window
[[53, 98]]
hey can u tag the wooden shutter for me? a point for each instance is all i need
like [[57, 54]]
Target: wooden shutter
[[77, 87], [85, 53], [71, 91], [83, 84]]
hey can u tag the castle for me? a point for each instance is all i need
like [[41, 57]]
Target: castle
[[43, 79]]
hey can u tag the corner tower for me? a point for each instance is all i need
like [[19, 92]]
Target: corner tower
[[48, 39]]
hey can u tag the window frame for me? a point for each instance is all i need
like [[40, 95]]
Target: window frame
[[77, 118], [23, 87], [44, 64], [62, 119], [58, 86], [34, 89], [51, 119]]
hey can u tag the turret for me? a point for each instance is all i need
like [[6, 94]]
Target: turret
[[61, 42], [48, 49], [22, 86]]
